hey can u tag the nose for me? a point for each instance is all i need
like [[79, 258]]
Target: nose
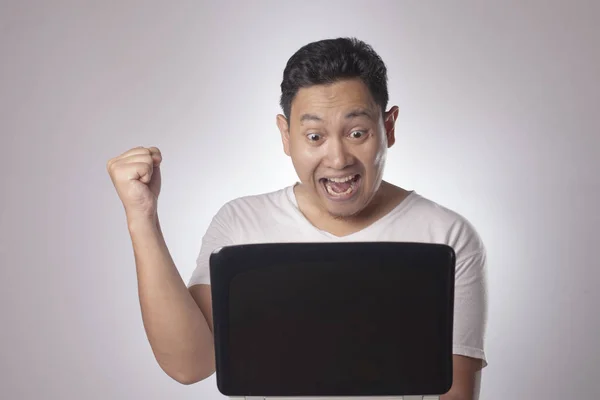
[[338, 156]]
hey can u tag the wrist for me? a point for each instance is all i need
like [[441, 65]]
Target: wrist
[[137, 223]]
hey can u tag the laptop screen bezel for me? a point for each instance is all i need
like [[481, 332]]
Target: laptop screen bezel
[[229, 261]]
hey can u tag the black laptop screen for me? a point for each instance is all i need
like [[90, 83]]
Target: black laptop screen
[[335, 322]]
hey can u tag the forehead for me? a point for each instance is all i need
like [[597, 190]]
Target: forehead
[[333, 99]]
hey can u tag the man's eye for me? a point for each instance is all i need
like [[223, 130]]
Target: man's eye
[[357, 134], [313, 137]]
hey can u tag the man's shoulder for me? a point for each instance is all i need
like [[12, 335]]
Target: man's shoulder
[[257, 204], [439, 212], [446, 223]]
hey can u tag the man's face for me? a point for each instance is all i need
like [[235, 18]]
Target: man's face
[[337, 139]]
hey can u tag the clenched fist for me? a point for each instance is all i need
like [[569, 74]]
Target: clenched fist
[[136, 176]]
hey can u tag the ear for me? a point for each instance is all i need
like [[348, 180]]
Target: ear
[[390, 125], [284, 129]]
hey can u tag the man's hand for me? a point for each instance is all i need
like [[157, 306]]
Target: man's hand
[[136, 176], [464, 382]]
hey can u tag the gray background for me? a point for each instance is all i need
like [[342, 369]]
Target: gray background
[[499, 120]]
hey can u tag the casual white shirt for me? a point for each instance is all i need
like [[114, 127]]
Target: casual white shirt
[[275, 217]]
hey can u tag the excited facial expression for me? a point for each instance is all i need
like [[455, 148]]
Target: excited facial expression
[[337, 139]]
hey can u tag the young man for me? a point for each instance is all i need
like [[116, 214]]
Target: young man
[[336, 128]]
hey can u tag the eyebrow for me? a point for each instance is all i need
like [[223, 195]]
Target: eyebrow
[[310, 117], [359, 112]]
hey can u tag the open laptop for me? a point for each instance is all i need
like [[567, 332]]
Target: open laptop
[[333, 320]]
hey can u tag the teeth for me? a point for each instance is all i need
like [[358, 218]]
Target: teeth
[[331, 192], [330, 181], [341, 180]]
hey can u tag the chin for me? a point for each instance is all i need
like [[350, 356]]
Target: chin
[[344, 211], [343, 215]]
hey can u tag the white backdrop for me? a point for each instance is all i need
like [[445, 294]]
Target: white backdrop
[[499, 120]]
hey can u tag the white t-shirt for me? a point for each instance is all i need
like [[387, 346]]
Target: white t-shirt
[[275, 217]]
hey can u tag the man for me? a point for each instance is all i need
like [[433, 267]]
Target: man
[[336, 128]]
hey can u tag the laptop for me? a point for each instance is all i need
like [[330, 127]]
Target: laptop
[[333, 320]]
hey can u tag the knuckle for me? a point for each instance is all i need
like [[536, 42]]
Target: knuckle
[[111, 165], [144, 169]]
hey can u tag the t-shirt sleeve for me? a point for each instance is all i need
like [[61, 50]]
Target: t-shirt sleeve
[[470, 306], [218, 234]]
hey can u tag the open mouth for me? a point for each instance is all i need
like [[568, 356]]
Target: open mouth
[[341, 187]]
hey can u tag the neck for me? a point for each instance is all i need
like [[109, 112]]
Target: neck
[[385, 199]]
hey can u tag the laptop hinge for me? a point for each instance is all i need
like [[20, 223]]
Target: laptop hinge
[[344, 398]]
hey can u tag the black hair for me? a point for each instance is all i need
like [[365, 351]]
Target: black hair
[[331, 60]]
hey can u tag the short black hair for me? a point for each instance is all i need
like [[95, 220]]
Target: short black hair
[[331, 60]]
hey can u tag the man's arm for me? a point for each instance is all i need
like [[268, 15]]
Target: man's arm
[[466, 372], [178, 332], [470, 314]]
